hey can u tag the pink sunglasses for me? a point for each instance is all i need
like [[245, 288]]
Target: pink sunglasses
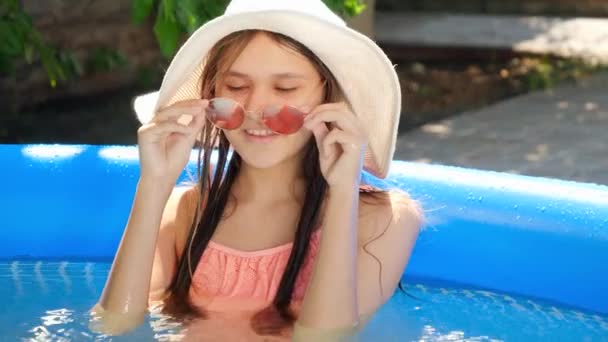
[[229, 114]]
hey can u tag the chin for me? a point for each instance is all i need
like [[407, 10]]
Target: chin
[[261, 161]]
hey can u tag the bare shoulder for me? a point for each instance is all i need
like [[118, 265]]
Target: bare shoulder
[[179, 213], [389, 224], [386, 216]]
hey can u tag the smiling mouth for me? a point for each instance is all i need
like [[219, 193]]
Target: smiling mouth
[[260, 132]]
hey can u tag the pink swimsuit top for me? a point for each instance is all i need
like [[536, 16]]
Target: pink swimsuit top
[[227, 280]]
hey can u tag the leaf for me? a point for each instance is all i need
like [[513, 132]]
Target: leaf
[[167, 34], [141, 9], [353, 7], [215, 8], [191, 14], [29, 52], [188, 14], [71, 64], [52, 66], [19, 39], [346, 7], [9, 6], [168, 10], [11, 45], [103, 59], [335, 5], [6, 66]]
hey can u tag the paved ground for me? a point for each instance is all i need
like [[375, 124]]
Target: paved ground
[[562, 133], [568, 37]]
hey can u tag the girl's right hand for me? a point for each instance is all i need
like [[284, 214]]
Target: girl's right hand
[[165, 144]]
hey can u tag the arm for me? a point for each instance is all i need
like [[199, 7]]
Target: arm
[[396, 228], [145, 260], [164, 146], [331, 296], [341, 293]]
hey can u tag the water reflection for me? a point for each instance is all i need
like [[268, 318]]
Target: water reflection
[[53, 312]]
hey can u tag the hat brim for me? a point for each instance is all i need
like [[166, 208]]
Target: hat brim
[[364, 72]]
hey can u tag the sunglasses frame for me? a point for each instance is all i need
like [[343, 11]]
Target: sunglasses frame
[[265, 117]]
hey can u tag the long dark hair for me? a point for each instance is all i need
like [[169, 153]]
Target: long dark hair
[[215, 184]]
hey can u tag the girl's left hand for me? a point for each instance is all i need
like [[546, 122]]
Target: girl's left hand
[[341, 145]]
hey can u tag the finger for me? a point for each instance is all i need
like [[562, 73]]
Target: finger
[[165, 127], [175, 111], [198, 121], [197, 124], [334, 106], [339, 119], [347, 141], [337, 106], [320, 131]]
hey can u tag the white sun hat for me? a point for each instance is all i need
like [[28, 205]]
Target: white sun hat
[[365, 74]]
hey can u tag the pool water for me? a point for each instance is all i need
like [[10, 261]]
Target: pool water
[[48, 301]]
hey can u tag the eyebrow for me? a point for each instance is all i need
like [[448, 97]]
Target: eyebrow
[[278, 75]]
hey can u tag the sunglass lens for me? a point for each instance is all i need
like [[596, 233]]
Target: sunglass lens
[[225, 113], [283, 120]]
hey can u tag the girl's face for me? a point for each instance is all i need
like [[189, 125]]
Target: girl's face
[[267, 73]]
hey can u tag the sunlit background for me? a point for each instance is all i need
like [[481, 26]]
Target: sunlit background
[[519, 86]]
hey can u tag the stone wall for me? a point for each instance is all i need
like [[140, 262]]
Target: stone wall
[[592, 8], [81, 26]]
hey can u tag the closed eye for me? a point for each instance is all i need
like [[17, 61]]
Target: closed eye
[[286, 90], [231, 88]]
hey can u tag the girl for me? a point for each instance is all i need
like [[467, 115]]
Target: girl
[[280, 231]]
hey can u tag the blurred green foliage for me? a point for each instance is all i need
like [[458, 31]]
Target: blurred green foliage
[[177, 17], [21, 41], [547, 72], [173, 19]]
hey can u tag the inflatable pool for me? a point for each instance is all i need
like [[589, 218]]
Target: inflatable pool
[[503, 257]]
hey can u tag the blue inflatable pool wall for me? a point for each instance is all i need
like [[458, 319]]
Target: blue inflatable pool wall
[[538, 237]]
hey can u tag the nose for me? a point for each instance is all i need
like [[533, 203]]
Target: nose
[[255, 103]]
